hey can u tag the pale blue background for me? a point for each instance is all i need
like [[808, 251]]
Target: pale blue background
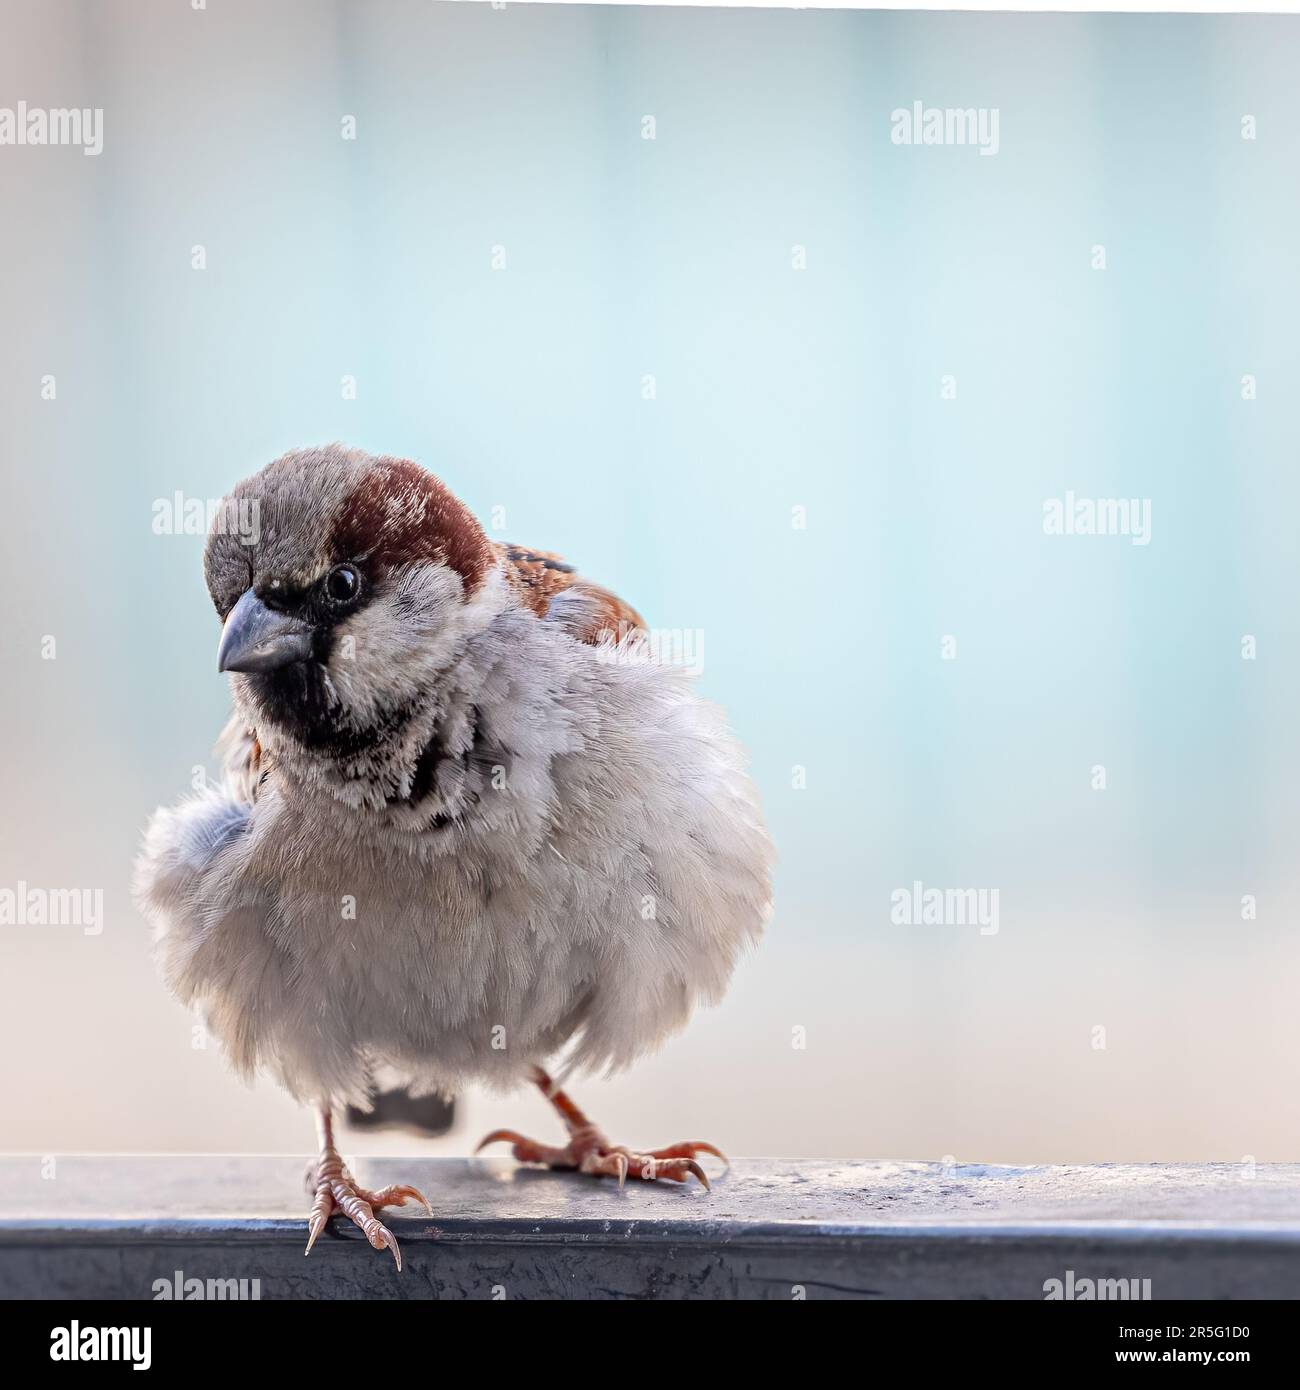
[[776, 388]]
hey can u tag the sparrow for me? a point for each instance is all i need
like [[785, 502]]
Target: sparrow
[[467, 822]]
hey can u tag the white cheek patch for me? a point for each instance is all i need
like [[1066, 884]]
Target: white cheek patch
[[391, 651]]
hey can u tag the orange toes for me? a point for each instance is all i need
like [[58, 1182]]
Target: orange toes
[[612, 1163], [652, 1167], [395, 1196], [529, 1150], [689, 1150], [590, 1152], [498, 1136]]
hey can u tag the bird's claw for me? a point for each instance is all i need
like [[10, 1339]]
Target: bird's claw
[[592, 1154], [382, 1239], [314, 1227], [497, 1136], [615, 1164], [709, 1149], [338, 1191], [396, 1195]]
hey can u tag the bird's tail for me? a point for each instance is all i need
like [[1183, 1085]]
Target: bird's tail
[[426, 1116]]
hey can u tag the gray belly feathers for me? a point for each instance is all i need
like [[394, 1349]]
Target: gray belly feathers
[[577, 864]]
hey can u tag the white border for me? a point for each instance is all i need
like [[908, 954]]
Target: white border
[[1236, 7]]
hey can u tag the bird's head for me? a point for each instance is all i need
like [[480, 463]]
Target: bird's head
[[349, 584]]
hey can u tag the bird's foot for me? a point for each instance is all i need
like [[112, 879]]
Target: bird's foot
[[592, 1153], [338, 1190], [589, 1151]]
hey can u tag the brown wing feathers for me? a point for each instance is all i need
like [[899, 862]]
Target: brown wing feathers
[[542, 575]]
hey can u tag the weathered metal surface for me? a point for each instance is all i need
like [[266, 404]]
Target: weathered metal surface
[[114, 1226]]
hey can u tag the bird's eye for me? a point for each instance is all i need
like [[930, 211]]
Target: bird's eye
[[342, 584]]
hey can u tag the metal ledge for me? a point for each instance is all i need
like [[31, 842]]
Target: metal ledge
[[111, 1227]]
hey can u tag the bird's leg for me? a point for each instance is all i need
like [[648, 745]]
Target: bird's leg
[[589, 1151], [337, 1190]]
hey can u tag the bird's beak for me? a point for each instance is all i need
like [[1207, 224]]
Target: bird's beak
[[256, 638]]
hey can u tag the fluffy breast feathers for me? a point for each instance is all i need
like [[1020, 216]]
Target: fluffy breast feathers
[[572, 858]]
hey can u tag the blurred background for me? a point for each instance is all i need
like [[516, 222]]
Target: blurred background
[[774, 378]]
